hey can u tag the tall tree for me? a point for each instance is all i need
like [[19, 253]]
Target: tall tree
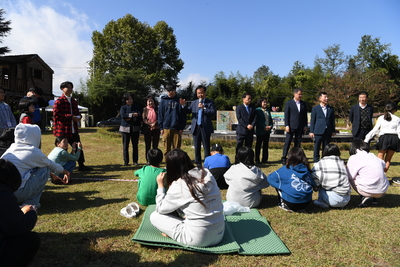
[[4, 31], [131, 56], [334, 61]]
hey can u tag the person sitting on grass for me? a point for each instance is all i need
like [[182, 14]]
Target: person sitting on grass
[[147, 185], [366, 173], [330, 175], [218, 164], [33, 166], [293, 182], [245, 179], [191, 211], [6, 139], [18, 244], [61, 156]]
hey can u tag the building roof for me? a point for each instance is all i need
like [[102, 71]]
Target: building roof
[[24, 58]]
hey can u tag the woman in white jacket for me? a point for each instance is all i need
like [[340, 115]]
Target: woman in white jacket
[[32, 164], [388, 129], [245, 180], [191, 211]]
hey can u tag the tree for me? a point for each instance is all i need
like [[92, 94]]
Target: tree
[[4, 30], [334, 60], [131, 56], [267, 84]]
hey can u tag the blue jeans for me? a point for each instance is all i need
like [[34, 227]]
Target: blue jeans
[[332, 199], [69, 166], [32, 191]]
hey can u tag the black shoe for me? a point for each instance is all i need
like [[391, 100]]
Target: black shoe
[[283, 161], [365, 202], [84, 168], [264, 161], [135, 164], [375, 201]]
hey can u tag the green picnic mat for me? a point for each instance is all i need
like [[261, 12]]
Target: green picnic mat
[[245, 233]]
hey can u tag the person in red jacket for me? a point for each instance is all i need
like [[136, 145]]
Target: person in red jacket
[[66, 116], [26, 107]]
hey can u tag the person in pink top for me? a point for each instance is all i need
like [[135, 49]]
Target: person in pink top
[[366, 173]]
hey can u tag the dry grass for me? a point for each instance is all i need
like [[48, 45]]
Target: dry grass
[[80, 223]]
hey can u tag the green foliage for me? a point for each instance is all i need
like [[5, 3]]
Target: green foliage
[[4, 31], [131, 56]]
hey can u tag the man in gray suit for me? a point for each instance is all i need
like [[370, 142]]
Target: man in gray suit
[[322, 124]]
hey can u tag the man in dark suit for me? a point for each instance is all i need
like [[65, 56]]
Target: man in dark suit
[[361, 116], [246, 117], [203, 110], [295, 121], [322, 125]]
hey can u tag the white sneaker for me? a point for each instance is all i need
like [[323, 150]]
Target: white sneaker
[[396, 180], [321, 204], [135, 207], [127, 212]]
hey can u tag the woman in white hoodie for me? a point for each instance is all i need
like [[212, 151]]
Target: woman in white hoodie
[[245, 180], [191, 211], [32, 164]]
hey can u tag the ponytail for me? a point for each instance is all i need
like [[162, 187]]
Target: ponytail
[[389, 108]]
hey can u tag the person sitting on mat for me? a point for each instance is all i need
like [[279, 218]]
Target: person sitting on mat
[[61, 156], [366, 173], [191, 211], [330, 175], [147, 185], [218, 164], [245, 179], [293, 182]]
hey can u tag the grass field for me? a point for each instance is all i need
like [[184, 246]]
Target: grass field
[[80, 223]]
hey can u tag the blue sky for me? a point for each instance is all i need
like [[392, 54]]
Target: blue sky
[[213, 36]]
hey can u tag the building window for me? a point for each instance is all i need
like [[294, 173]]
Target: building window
[[37, 74]]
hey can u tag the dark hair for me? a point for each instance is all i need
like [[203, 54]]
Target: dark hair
[[59, 139], [389, 107], [125, 97], [296, 90], [24, 104], [154, 99], [296, 156], [154, 156], [36, 89], [321, 93], [363, 93], [170, 87], [9, 175], [331, 150], [358, 144], [260, 100], [217, 148], [245, 94], [178, 166], [2, 88], [201, 87], [245, 155], [8, 135], [65, 84]]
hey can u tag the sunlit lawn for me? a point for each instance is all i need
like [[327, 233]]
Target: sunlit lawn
[[80, 223]]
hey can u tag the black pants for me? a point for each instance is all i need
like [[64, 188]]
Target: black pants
[[246, 139], [362, 132], [199, 136], [262, 140], [298, 136], [19, 250], [76, 138], [152, 137], [134, 138], [292, 206]]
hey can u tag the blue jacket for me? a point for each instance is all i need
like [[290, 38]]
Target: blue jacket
[[293, 118], [295, 183], [170, 115], [206, 119], [124, 112], [319, 123], [245, 118]]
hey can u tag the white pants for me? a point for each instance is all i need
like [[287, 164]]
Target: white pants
[[177, 229]]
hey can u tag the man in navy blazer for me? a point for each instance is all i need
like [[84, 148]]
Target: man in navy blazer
[[361, 116], [295, 121], [246, 117], [322, 125], [203, 110]]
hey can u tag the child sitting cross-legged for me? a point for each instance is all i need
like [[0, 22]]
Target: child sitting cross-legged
[[330, 175], [147, 186]]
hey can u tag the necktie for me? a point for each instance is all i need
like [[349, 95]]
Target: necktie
[[199, 113], [247, 109]]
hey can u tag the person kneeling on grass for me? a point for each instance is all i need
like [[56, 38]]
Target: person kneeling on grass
[[33, 166], [293, 182], [61, 156], [191, 211], [366, 173], [147, 185], [330, 175], [245, 180]]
